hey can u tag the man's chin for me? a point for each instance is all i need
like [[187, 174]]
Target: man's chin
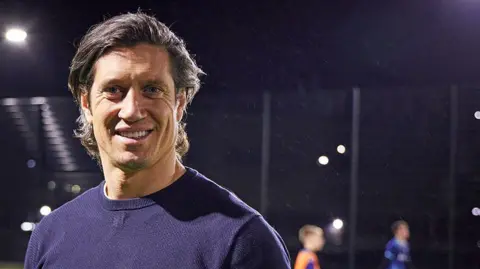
[[131, 162]]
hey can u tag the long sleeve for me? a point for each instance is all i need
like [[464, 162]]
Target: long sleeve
[[258, 246], [31, 256]]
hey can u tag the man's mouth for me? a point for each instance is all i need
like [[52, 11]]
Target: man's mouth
[[135, 134]]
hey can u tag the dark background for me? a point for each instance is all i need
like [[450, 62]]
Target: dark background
[[408, 58]]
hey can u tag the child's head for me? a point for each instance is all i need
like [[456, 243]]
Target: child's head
[[401, 230], [312, 237]]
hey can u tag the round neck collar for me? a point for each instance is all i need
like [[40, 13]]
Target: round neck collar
[[140, 202]]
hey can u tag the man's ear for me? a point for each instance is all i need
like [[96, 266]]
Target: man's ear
[[85, 105], [181, 103]]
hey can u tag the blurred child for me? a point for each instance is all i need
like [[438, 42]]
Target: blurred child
[[313, 240], [397, 251]]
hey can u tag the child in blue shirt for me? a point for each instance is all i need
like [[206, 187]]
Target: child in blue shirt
[[397, 251]]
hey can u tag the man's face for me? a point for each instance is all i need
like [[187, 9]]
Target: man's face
[[133, 106]]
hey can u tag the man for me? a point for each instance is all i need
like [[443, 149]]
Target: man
[[312, 239], [132, 78], [397, 251]]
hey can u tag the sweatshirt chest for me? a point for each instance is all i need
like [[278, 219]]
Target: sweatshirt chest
[[126, 241]]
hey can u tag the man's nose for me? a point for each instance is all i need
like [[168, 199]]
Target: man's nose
[[131, 107]]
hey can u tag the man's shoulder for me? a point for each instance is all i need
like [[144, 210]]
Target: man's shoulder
[[79, 206], [258, 245], [210, 195], [252, 241], [220, 212], [53, 227]]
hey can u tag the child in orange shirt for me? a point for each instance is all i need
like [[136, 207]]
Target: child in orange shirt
[[313, 240]]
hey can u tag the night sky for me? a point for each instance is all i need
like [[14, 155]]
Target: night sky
[[265, 45]]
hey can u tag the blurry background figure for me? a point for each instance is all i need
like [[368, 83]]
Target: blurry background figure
[[397, 251], [313, 240]]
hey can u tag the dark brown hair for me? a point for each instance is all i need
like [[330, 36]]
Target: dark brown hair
[[128, 30]]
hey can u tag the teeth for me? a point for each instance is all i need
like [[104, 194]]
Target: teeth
[[134, 134]]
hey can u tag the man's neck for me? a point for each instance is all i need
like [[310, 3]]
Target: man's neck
[[124, 185]]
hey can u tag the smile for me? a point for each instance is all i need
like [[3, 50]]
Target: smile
[[135, 134]]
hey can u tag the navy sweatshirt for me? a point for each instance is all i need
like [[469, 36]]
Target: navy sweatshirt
[[193, 223]]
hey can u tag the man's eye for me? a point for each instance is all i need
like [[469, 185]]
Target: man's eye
[[152, 90], [112, 90]]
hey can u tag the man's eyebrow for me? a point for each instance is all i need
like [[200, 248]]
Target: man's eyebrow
[[111, 80], [156, 82], [149, 82]]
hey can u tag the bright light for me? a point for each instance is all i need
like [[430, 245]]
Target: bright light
[[38, 100], [341, 149], [10, 101], [31, 163], [45, 210], [16, 35], [338, 224], [476, 211], [76, 189], [51, 185], [27, 226], [477, 115], [323, 160]]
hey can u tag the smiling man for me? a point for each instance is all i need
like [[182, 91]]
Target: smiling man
[[132, 78]]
